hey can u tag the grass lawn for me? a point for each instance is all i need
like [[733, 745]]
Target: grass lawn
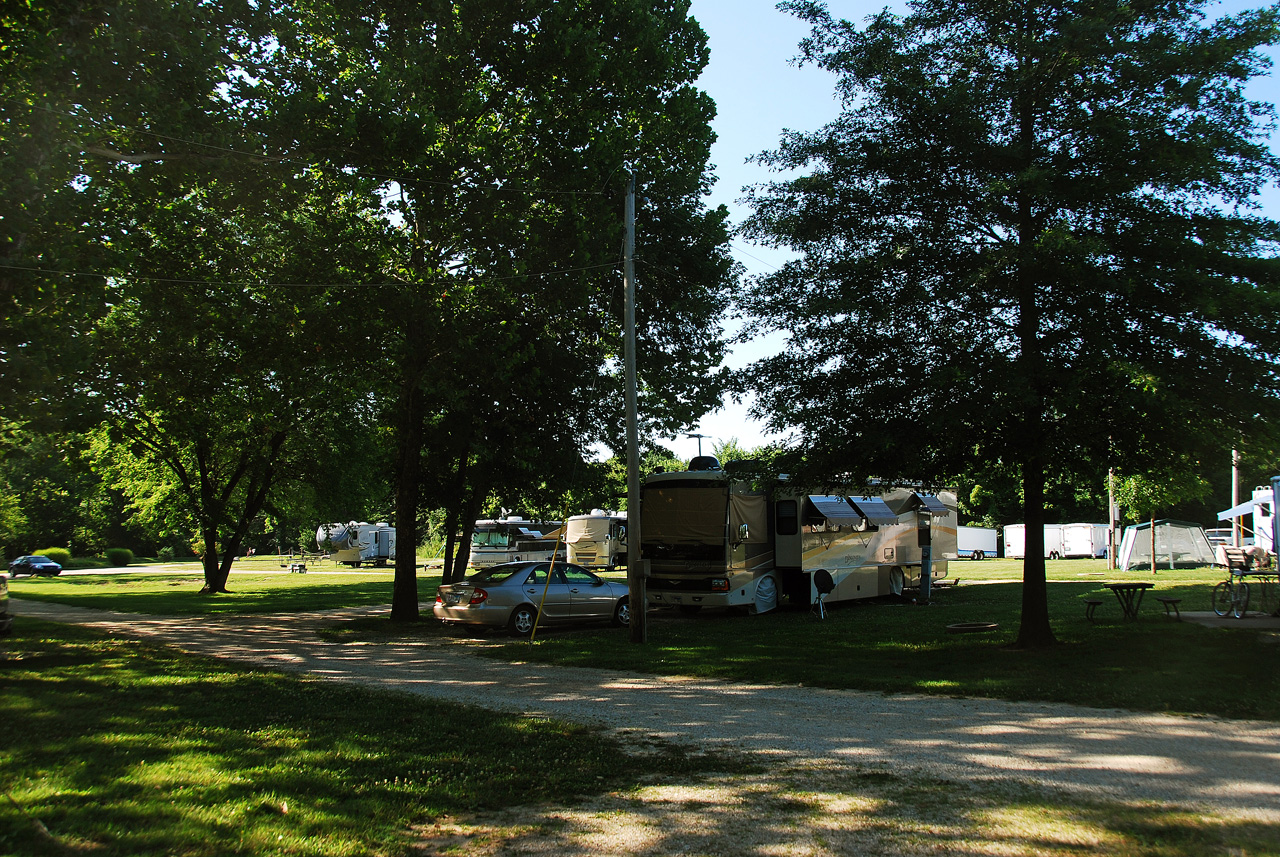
[[126, 748], [1153, 664]]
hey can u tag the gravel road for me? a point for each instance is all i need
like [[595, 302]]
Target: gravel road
[[1228, 768]]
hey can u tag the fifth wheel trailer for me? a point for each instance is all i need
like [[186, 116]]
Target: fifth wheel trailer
[[358, 542]]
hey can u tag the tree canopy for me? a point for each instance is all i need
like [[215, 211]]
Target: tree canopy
[[1031, 236]]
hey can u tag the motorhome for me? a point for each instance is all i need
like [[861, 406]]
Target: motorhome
[[513, 539], [358, 542], [976, 543], [1084, 540], [597, 540], [712, 540], [1015, 541]]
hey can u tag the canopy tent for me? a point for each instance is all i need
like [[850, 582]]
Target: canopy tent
[[1178, 544]]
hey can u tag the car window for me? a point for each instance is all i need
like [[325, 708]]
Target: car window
[[494, 575], [580, 576], [539, 574]]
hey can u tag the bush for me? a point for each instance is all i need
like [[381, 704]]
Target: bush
[[61, 556], [165, 554], [119, 557]]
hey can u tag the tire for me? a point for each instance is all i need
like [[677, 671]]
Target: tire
[[766, 594], [1240, 600], [979, 555], [1221, 598], [522, 620], [622, 613]]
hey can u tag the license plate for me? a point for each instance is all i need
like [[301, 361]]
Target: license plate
[[452, 598]]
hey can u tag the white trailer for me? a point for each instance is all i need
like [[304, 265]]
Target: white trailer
[[712, 540], [357, 542], [1084, 540], [976, 543], [1015, 541], [597, 540]]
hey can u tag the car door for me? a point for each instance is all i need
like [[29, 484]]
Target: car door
[[554, 598], [592, 599]]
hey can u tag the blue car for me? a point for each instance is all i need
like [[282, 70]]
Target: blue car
[[34, 565]]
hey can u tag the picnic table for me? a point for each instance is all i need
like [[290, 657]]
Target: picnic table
[[1130, 596]]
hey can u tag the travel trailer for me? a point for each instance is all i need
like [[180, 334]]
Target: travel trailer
[[1260, 508], [597, 540], [712, 540], [976, 543], [358, 542], [1015, 541], [514, 539], [1084, 540]]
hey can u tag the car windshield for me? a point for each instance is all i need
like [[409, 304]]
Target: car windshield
[[39, 559], [497, 574]]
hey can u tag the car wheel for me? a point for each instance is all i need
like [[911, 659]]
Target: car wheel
[[522, 620], [622, 613]]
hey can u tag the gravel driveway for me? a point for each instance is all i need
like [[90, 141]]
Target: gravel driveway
[[1228, 768]]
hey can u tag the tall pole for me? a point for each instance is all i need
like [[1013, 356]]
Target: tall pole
[[1237, 537], [635, 572]]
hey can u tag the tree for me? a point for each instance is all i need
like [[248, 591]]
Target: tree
[[503, 131], [1145, 494], [1031, 235]]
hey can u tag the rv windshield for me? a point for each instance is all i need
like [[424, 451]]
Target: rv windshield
[[490, 539]]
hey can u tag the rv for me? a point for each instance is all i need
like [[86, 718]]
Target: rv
[[514, 539], [711, 540], [976, 543], [1084, 540], [597, 540], [358, 542], [1015, 541]]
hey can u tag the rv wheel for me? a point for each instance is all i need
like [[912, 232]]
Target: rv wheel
[[979, 555]]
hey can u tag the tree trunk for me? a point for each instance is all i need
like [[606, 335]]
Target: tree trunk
[[404, 595]]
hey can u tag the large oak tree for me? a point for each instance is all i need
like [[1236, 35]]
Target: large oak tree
[[1031, 236]]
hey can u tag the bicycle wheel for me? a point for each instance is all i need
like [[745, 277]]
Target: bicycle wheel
[[1221, 598], [1240, 599]]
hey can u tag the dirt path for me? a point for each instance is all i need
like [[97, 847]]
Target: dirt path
[[1228, 768]]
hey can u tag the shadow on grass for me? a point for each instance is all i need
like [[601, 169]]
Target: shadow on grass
[[129, 748]]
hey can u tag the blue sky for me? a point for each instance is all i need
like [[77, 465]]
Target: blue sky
[[758, 93]]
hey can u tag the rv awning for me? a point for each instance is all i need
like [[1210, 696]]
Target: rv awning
[[932, 503], [1245, 508], [874, 510], [836, 510]]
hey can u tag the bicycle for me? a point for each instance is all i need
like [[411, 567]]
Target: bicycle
[[1231, 596]]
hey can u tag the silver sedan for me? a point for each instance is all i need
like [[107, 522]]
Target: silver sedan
[[509, 595]]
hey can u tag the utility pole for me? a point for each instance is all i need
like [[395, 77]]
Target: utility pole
[[635, 571]]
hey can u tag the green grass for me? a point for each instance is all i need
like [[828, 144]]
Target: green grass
[[886, 645], [118, 747], [1153, 664]]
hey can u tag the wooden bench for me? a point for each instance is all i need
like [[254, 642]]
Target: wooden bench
[[1091, 604], [1235, 558], [1171, 604]]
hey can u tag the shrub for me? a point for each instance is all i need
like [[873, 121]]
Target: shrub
[[119, 557], [61, 556], [165, 554]]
